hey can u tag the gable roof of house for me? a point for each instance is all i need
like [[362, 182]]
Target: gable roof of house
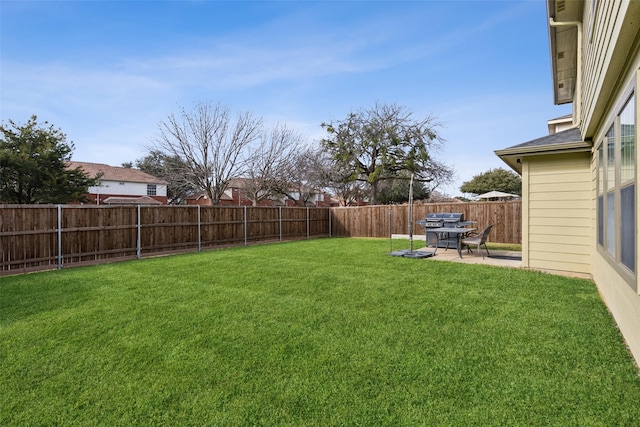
[[569, 140], [116, 173]]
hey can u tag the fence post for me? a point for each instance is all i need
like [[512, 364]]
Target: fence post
[[280, 221], [308, 225], [59, 266], [199, 235], [329, 213], [245, 225], [138, 240]]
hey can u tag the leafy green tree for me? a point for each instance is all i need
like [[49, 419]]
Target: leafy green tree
[[397, 191], [493, 180], [383, 143], [33, 165], [169, 168]]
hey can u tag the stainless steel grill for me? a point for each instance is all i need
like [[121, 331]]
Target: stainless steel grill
[[436, 220], [442, 220]]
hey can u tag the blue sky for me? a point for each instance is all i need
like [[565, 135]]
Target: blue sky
[[107, 72]]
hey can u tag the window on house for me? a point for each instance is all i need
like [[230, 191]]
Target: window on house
[[627, 151], [151, 189], [616, 181], [601, 176], [610, 191]]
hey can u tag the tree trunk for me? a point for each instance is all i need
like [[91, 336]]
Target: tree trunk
[[373, 197]]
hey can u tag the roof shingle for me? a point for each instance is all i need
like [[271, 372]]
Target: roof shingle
[[116, 173]]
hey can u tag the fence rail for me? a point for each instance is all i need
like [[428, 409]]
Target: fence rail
[[38, 237]]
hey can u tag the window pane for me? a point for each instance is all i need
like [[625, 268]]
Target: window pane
[[611, 159], [611, 224], [601, 170], [601, 175], [601, 220], [627, 143], [628, 227], [627, 185]]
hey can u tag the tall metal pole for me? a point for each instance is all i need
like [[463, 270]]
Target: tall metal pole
[[411, 214], [59, 237], [139, 242], [199, 235], [390, 231], [245, 225]]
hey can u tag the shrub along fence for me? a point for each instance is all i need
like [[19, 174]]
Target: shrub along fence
[[38, 237]]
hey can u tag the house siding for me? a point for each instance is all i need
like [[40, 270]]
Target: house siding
[[127, 189], [612, 63], [622, 301], [559, 217], [607, 42]]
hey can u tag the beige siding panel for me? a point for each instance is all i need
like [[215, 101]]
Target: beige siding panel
[[558, 196], [597, 53], [622, 301], [566, 178], [557, 251], [558, 186], [556, 204], [559, 212], [559, 239], [549, 165], [538, 223], [582, 235], [559, 265], [551, 212]]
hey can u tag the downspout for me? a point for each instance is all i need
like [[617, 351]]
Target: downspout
[[578, 94]]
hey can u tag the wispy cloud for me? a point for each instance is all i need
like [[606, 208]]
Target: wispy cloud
[[291, 62]]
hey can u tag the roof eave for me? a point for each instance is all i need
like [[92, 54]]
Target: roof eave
[[562, 48], [513, 156]]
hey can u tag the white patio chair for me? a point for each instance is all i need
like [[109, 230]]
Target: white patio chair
[[477, 240]]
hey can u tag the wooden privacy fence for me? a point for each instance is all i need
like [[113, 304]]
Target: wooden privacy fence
[[382, 221], [37, 237]]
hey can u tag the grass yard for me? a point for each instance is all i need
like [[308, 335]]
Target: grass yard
[[321, 332]]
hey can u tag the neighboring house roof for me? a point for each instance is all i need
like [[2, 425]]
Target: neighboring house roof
[[562, 118], [239, 183], [199, 195], [142, 200], [116, 173], [569, 140]]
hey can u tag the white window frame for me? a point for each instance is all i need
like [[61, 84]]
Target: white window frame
[[609, 217]]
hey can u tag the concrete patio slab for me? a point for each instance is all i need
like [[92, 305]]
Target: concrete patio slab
[[497, 258]]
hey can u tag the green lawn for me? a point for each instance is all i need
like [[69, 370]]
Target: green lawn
[[323, 332]]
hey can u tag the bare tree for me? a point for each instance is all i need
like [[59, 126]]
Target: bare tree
[[170, 169], [211, 143], [269, 163], [334, 176], [302, 179]]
